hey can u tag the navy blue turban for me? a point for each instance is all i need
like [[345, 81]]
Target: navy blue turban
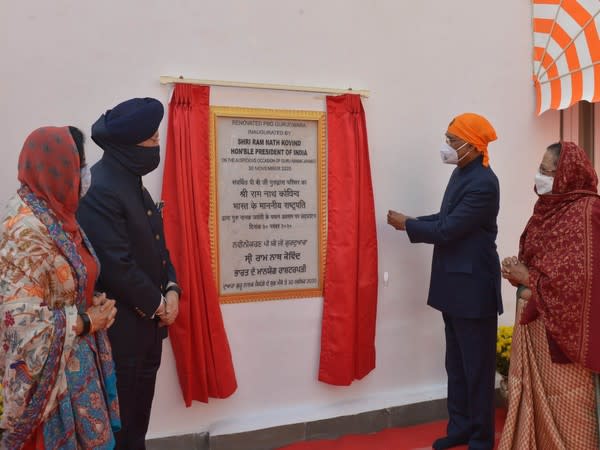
[[133, 121]]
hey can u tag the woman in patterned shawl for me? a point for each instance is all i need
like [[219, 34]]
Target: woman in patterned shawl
[[556, 340], [55, 361]]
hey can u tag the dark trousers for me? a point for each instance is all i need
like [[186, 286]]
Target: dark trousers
[[136, 377], [471, 368]]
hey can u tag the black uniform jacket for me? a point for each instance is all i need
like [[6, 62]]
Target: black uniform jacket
[[125, 228]]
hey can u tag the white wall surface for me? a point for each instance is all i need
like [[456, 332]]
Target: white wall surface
[[66, 61]]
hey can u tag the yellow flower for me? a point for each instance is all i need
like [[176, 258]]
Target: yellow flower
[[503, 346]]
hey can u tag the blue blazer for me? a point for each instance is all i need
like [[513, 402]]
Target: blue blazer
[[465, 270], [126, 231]]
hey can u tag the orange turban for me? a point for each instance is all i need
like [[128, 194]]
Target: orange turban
[[476, 130]]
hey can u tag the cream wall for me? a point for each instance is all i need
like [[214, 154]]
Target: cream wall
[[66, 61]]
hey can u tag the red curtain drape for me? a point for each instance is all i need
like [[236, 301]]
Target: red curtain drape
[[350, 292], [200, 345]]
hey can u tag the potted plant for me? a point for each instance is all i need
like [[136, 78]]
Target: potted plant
[[503, 345]]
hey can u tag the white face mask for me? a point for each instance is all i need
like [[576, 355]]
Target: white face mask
[[543, 183], [450, 155], [86, 180]]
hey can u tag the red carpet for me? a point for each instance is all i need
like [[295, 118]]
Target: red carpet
[[418, 437]]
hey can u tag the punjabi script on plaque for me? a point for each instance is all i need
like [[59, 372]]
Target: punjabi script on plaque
[[268, 205]]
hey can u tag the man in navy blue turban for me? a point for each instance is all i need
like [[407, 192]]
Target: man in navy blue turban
[[126, 230]]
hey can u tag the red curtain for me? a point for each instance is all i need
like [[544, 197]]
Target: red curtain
[[202, 353], [350, 292]]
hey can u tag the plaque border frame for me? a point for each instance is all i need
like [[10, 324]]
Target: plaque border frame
[[275, 114]]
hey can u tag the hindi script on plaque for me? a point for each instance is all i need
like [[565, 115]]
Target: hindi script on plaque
[[268, 204]]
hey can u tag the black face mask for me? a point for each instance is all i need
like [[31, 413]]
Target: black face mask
[[138, 160]]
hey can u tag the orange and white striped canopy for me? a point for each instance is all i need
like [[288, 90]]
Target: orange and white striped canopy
[[566, 54]]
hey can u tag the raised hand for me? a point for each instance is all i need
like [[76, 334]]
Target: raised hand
[[397, 220]]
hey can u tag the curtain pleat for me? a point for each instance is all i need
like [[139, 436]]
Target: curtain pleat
[[350, 291], [202, 353]]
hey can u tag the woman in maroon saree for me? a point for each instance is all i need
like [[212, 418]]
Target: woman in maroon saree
[[556, 339]]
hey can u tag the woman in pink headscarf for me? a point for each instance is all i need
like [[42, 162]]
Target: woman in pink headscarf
[[55, 362]]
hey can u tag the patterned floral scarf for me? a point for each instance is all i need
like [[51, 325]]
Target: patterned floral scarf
[[561, 247], [49, 173], [49, 170]]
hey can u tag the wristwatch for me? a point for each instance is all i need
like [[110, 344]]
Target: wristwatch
[[173, 287]]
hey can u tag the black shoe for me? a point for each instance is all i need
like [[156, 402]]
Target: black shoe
[[449, 442]]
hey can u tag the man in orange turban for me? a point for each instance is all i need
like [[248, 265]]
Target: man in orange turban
[[475, 130], [465, 279]]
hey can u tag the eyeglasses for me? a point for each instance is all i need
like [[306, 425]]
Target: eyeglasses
[[453, 141]]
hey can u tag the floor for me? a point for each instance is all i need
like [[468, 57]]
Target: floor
[[418, 437]]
